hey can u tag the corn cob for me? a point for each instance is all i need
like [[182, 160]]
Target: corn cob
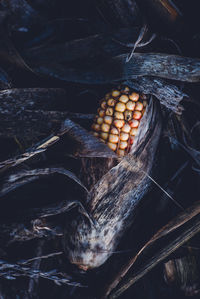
[[118, 119]]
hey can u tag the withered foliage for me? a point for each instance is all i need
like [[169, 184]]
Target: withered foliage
[[60, 187]]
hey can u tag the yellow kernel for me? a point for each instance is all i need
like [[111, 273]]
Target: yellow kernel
[[101, 112], [123, 145], [126, 89], [137, 114], [108, 119], [115, 93], [100, 120], [111, 102], [138, 106], [120, 107], [134, 123], [121, 152], [134, 131], [126, 128], [124, 136], [112, 146], [105, 127], [113, 138], [134, 96], [128, 115], [109, 111], [123, 98], [104, 135], [103, 105], [114, 131], [96, 127], [119, 115], [118, 123], [130, 105]]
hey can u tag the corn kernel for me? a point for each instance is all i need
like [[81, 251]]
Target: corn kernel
[[101, 112], [120, 107], [109, 111], [124, 136], [104, 135], [123, 98], [123, 144], [121, 152], [114, 131], [108, 119], [126, 89], [112, 146], [118, 123], [115, 93], [139, 106], [100, 120], [96, 127], [103, 105], [137, 115], [105, 127], [119, 115], [111, 102], [134, 123], [128, 115], [113, 138], [130, 105], [118, 119], [134, 97], [126, 128], [133, 131]]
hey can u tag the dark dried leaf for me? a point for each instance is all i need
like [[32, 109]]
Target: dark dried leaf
[[86, 144], [5, 81], [16, 99], [99, 45], [194, 153], [21, 15], [163, 15], [10, 55], [119, 13], [180, 238], [37, 149], [21, 178], [12, 271], [117, 69], [32, 112]]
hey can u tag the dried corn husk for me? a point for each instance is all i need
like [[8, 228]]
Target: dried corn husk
[[113, 198]]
